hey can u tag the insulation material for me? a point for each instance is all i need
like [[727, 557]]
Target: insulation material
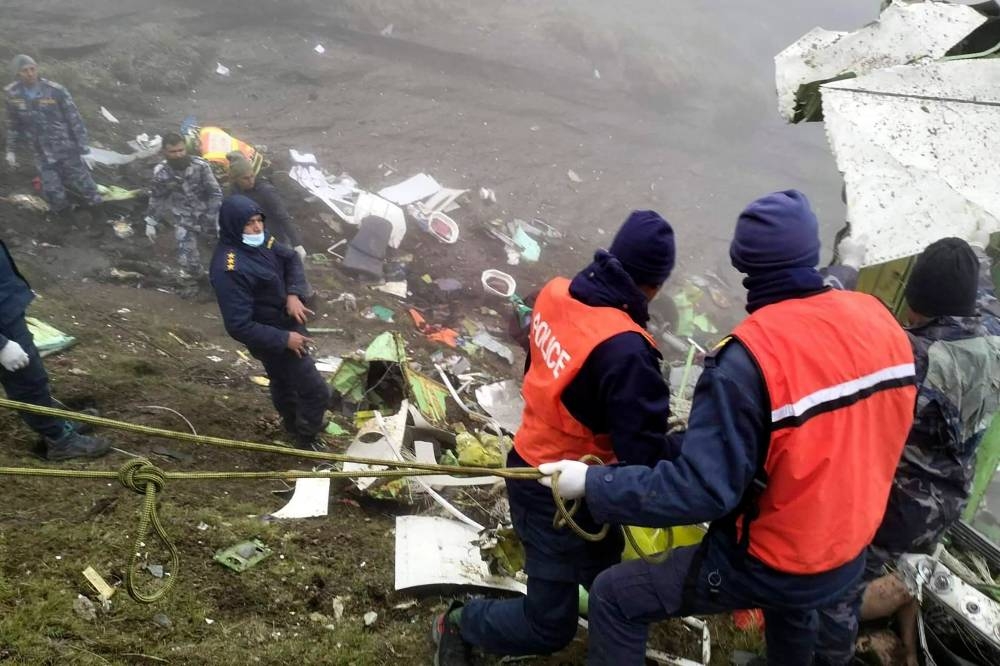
[[917, 146], [903, 34]]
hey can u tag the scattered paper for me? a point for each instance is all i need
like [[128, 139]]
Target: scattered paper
[[319, 49], [221, 69]]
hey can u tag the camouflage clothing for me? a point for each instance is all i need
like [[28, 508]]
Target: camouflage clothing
[[45, 119], [190, 200], [958, 373]]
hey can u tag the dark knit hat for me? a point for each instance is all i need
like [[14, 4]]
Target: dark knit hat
[[19, 62], [944, 280], [239, 167], [775, 232], [645, 247]]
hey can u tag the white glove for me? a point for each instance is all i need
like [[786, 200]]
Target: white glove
[[11, 160], [852, 251], [151, 229], [572, 477], [301, 251], [13, 357]]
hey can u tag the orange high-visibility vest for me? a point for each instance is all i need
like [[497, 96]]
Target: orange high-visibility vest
[[563, 333], [839, 372]]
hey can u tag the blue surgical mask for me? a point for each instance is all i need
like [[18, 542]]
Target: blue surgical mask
[[253, 240]]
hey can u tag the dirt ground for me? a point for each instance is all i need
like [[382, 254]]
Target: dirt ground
[[669, 105]]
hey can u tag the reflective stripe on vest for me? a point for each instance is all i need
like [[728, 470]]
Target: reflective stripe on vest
[[563, 333], [840, 377]]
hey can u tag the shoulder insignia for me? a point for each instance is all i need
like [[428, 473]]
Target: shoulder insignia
[[230, 261], [722, 343], [55, 86], [270, 242]]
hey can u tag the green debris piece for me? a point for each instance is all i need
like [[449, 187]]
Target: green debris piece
[[987, 460], [448, 458], [430, 396], [388, 347], [583, 604], [530, 249], [508, 554], [393, 490], [473, 452], [48, 339], [688, 319], [243, 556], [350, 379], [334, 428], [382, 313], [319, 258], [115, 193]]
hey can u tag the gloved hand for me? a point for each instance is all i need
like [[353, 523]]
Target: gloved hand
[[572, 477], [13, 357], [301, 251], [151, 229], [852, 251], [11, 160]]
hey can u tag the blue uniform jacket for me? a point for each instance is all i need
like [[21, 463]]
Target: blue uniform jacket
[[15, 294], [620, 390], [727, 427], [48, 122], [252, 284]]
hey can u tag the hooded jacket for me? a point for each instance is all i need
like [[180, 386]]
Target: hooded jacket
[[252, 284], [15, 294]]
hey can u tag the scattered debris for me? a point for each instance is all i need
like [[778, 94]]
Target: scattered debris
[[370, 618], [386, 31], [498, 283], [486, 341], [162, 621], [310, 499], [108, 116], [441, 551], [502, 401], [260, 380], [155, 570], [48, 339], [487, 195], [104, 590], [399, 289], [122, 228], [221, 69], [435, 332], [27, 202], [319, 49], [379, 312], [572, 175], [242, 556], [337, 604], [413, 189]]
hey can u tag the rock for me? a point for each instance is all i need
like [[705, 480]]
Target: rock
[[319, 618], [338, 608], [84, 608], [370, 618], [162, 621]]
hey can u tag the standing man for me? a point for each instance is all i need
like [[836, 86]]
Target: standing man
[[41, 115], [593, 387], [23, 375], [958, 361], [796, 428], [259, 284], [184, 192], [265, 195]]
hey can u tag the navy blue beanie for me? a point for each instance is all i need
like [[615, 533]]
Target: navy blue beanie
[[775, 232], [645, 247]]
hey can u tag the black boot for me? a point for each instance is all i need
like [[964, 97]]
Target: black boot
[[72, 444]]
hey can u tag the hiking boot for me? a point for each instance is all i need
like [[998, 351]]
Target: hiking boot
[[310, 444], [74, 445], [452, 650]]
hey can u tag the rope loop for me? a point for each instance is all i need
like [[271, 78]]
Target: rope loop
[[138, 474]]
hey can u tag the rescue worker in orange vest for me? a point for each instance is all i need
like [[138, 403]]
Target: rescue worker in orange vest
[[593, 386], [797, 425]]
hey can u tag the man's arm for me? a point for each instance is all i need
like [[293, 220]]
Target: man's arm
[[294, 272], [74, 120], [727, 427], [235, 299], [214, 197], [159, 192], [14, 134], [279, 219]]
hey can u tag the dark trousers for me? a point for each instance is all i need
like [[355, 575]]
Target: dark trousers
[[30, 384], [628, 597], [558, 562], [298, 391], [69, 173]]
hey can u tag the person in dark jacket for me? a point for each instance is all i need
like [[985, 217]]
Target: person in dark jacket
[[957, 360], [593, 385], [259, 284], [23, 375], [747, 463]]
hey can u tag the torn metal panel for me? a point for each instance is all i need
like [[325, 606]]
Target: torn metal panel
[[917, 146], [411, 190], [440, 551], [903, 34], [502, 401], [311, 499], [424, 453]]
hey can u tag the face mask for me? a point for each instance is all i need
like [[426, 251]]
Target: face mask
[[179, 164], [253, 240]]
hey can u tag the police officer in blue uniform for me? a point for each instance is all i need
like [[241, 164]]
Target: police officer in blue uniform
[[259, 284], [41, 115]]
